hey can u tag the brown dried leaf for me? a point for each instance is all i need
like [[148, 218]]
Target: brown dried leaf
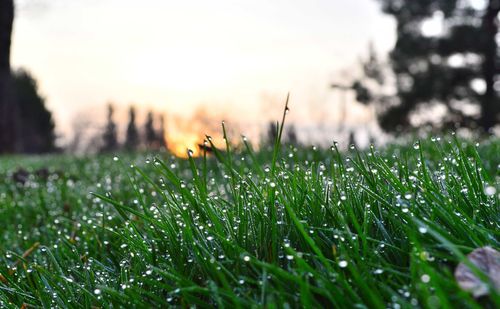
[[487, 260], [25, 255]]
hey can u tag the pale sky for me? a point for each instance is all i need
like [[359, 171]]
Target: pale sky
[[235, 58]]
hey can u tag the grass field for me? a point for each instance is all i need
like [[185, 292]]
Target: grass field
[[281, 227]]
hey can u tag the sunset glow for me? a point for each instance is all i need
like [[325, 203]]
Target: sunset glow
[[179, 145]]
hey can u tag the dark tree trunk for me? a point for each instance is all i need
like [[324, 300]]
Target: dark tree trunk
[[7, 105], [490, 108]]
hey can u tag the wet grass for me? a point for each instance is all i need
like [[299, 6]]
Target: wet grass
[[296, 227]]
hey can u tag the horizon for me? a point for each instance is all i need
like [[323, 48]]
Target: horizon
[[235, 58]]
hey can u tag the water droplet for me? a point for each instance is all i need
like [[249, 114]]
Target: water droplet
[[246, 258], [289, 257], [115, 158], [490, 190], [97, 292], [422, 229], [425, 278], [416, 145], [343, 264]]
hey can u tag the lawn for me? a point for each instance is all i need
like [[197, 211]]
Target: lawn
[[277, 227]]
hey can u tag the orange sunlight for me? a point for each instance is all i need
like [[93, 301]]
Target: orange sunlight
[[180, 142]]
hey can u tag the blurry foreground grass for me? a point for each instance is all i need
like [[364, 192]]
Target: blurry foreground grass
[[287, 227]]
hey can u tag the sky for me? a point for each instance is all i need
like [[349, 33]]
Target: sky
[[222, 59]]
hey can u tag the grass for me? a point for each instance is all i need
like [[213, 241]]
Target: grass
[[289, 227]]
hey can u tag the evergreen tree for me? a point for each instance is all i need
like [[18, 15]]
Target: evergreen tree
[[444, 68], [352, 139], [291, 135], [132, 137], [162, 143], [110, 140], [36, 130], [272, 133], [149, 131]]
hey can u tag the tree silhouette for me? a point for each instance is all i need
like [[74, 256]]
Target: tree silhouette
[[272, 133], [149, 131], [132, 137], [162, 143], [7, 106], [36, 130], [352, 139], [444, 68], [110, 140], [291, 135]]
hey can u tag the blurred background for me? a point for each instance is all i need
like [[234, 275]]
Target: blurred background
[[93, 76]]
